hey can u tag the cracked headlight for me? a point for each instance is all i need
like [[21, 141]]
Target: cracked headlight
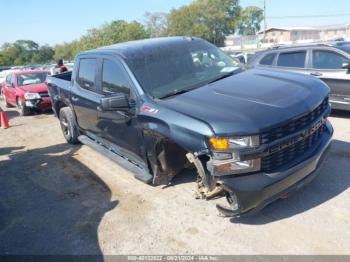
[[30, 96], [241, 142]]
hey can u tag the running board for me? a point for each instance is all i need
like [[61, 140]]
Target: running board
[[138, 172]]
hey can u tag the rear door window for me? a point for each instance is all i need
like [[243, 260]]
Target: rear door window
[[268, 59], [292, 59], [322, 59], [87, 74]]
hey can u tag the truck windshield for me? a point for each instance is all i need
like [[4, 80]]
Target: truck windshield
[[174, 69], [30, 79]]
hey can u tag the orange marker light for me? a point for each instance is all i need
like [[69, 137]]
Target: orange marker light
[[219, 143]]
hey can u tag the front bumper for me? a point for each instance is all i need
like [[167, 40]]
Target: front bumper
[[254, 192], [42, 104]]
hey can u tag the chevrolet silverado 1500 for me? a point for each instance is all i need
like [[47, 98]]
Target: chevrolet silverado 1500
[[160, 105]]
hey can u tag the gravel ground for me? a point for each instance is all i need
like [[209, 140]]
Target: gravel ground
[[59, 199]]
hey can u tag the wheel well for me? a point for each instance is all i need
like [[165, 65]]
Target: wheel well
[[165, 159], [58, 106]]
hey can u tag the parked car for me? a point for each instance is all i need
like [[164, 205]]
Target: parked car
[[328, 62], [158, 106], [27, 90]]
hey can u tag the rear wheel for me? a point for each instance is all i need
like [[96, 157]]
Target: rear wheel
[[68, 125]]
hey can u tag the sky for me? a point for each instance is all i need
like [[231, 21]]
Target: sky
[[52, 22]]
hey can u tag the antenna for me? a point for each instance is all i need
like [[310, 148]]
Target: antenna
[[265, 26]]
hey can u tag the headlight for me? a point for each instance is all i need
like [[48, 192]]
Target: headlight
[[233, 167], [224, 144], [226, 159], [30, 96], [247, 141]]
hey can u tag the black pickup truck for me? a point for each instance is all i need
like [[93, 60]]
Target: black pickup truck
[[158, 106]]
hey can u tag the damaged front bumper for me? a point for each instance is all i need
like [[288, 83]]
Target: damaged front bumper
[[43, 103], [248, 194]]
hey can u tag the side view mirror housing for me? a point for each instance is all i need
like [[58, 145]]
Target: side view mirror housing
[[115, 102], [10, 85], [346, 66]]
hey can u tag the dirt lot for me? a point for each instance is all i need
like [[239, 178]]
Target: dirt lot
[[59, 199]]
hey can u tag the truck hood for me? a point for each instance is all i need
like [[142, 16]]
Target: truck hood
[[35, 88], [251, 102]]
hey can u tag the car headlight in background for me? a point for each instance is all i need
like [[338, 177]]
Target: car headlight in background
[[30, 96]]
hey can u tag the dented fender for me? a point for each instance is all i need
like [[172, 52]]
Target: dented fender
[[189, 133], [168, 136]]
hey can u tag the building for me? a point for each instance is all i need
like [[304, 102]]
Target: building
[[287, 35], [304, 34], [335, 31]]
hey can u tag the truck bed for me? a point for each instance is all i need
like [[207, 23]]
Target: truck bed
[[59, 88]]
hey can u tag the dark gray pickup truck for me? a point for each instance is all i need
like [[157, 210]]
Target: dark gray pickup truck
[[161, 105]]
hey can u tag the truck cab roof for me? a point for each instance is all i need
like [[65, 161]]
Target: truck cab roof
[[130, 48]]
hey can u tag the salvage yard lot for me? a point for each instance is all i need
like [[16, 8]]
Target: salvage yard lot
[[60, 199]]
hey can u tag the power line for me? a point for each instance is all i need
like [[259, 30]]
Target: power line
[[308, 16]]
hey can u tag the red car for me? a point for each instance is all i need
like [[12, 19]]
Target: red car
[[27, 90]]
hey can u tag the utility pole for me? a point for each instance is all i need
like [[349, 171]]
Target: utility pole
[[265, 20]]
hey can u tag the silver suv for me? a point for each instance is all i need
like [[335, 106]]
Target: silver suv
[[329, 62]]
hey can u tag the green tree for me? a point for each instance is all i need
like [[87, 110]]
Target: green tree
[[43, 55], [67, 51], [156, 24], [208, 19], [108, 34], [250, 21], [24, 52]]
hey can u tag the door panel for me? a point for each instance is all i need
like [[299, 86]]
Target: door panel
[[327, 66], [85, 106], [339, 83], [10, 91], [120, 127], [85, 97]]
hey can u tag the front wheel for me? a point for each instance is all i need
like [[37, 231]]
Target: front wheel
[[24, 110], [68, 125], [5, 100]]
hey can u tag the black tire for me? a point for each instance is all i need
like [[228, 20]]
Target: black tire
[[24, 111], [68, 125]]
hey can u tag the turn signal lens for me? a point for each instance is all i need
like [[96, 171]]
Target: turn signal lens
[[219, 143]]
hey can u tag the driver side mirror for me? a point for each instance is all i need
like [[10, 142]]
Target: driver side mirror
[[11, 85], [346, 65], [115, 102]]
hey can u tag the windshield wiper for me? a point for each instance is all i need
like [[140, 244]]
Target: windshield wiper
[[175, 93], [223, 76]]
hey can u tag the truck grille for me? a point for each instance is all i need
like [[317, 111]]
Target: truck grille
[[276, 161], [294, 126], [287, 156]]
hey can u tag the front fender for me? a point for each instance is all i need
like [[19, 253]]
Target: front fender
[[189, 133]]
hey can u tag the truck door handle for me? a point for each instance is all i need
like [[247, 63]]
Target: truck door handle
[[75, 99], [316, 74]]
